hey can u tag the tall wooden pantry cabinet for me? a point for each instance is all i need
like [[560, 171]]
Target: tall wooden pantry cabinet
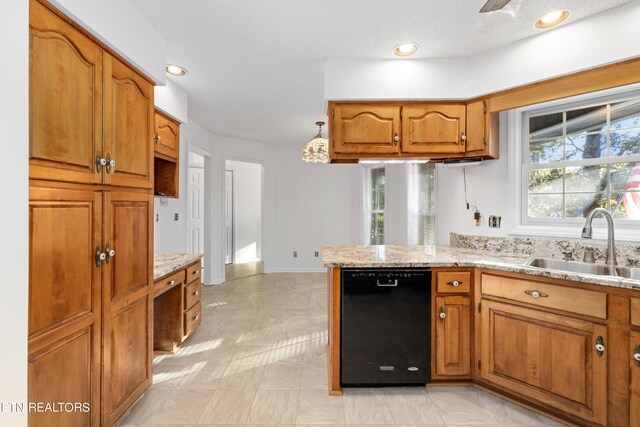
[[91, 225]]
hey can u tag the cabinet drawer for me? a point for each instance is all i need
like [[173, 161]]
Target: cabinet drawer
[[192, 294], [163, 285], [192, 319], [453, 282], [193, 272], [635, 311], [573, 300]]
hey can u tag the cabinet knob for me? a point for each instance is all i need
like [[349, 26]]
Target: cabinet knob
[[636, 355], [157, 138], [100, 162], [171, 282], [396, 139], [194, 293], [111, 163], [536, 294], [600, 346], [463, 138], [195, 317], [442, 314], [454, 283], [109, 253], [100, 256]]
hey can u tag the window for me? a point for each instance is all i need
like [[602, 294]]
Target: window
[[374, 204], [580, 158], [425, 173]]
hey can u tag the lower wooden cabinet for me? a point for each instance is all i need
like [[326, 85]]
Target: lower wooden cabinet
[[551, 359], [453, 336], [635, 378]]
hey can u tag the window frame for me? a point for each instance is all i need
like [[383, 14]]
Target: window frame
[[519, 167], [367, 177]]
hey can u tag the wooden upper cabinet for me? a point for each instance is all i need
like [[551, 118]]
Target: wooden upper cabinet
[[167, 136], [128, 126], [482, 130], [65, 100], [365, 129], [433, 129]]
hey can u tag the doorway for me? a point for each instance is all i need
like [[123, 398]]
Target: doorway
[[195, 203], [243, 219]]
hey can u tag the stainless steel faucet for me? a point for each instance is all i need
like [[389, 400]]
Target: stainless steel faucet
[[587, 232]]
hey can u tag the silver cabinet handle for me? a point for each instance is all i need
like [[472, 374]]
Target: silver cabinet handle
[[442, 314], [463, 138], [100, 256], [100, 162], [111, 163], [536, 294], [454, 283], [396, 139], [171, 282], [600, 346], [110, 253], [636, 355], [390, 284]]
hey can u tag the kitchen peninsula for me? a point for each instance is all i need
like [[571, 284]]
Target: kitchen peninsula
[[564, 343]]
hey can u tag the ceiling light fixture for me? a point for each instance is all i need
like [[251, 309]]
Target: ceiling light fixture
[[316, 150], [552, 19], [175, 70], [405, 49]]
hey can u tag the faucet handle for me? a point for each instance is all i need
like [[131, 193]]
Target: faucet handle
[[589, 254]]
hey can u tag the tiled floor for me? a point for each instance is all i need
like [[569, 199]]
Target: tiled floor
[[259, 358]]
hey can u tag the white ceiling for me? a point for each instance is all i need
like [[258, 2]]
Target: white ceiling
[[256, 66]]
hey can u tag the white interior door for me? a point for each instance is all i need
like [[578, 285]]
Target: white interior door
[[195, 210], [228, 216]]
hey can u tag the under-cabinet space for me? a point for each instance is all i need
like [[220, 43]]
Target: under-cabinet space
[[166, 177]]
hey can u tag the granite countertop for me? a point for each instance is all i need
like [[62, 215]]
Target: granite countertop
[[164, 264], [449, 256]]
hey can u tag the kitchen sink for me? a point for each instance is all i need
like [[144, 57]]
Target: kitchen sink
[[584, 267]]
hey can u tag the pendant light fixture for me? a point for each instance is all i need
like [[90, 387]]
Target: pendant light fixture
[[316, 150]]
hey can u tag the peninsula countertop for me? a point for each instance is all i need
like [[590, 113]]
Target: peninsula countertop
[[394, 256], [164, 264]]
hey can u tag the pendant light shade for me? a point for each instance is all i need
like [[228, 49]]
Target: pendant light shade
[[316, 150]]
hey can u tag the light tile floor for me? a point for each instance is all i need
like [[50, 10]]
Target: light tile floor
[[259, 359]]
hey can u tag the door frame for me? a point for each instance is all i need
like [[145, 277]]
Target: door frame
[[207, 275], [232, 257], [223, 206]]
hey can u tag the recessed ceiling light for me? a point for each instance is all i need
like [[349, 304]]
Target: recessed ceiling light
[[175, 70], [405, 49], [552, 19]]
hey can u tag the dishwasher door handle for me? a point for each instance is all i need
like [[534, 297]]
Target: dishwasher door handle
[[389, 283]]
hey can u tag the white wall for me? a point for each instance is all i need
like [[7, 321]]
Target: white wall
[[317, 205], [14, 217], [120, 26], [601, 39], [172, 100], [487, 188], [247, 213]]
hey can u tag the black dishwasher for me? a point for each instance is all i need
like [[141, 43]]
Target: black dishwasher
[[385, 327]]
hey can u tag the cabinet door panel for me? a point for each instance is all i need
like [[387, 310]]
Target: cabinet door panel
[[128, 230], [477, 128], [64, 281], [128, 125], [635, 380], [546, 357], [129, 354], [453, 336], [127, 301], [66, 371], [167, 136], [435, 129], [365, 129], [65, 96]]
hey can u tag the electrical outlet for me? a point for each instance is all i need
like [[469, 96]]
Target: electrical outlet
[[316, 254], [295, 254], [157, 217], [175, 216]]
